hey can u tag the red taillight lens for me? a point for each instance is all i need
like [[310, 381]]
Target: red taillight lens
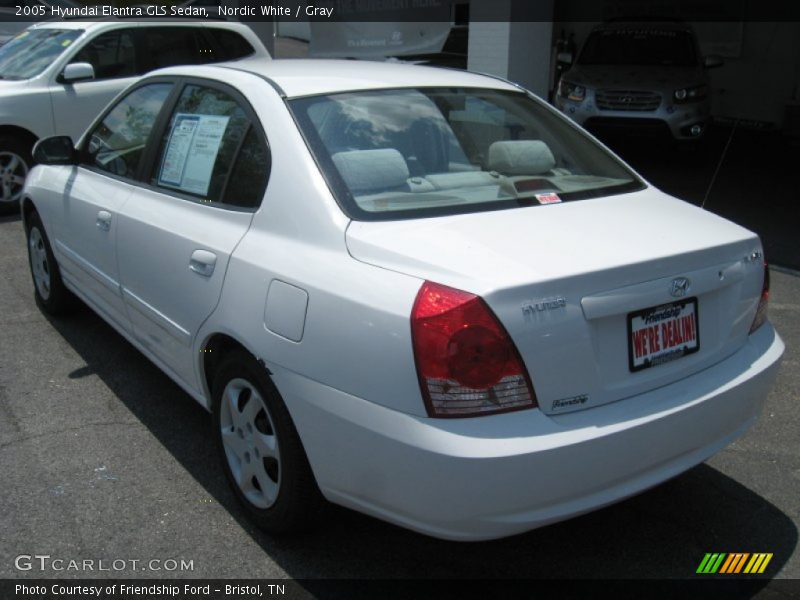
[[763, 303], [466, 361]]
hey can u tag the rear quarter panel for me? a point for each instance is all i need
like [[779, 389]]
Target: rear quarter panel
[[356, 335]]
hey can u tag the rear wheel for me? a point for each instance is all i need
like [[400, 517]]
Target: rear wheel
[[15, 162], [262, 455], [49, 290]]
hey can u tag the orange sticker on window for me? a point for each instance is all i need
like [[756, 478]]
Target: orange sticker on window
[[548, 198]]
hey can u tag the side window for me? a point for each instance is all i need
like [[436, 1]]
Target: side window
[[229, 45], [170, 46], [249, 174], [112, 54], [116, 145], [208, 130]]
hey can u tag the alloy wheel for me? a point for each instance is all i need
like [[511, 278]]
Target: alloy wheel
[[39, 264], [250, 442], [13, 171]]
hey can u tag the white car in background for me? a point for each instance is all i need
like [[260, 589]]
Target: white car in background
[[422, 294], [56, 77], [640, 77]]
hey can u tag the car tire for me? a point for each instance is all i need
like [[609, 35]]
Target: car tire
[[49, 290], [15, 162], [262, 455]]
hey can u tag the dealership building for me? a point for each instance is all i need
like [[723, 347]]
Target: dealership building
[[757, 85]]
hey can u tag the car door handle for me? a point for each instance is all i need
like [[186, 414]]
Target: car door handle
[[203, 262], [103, 220]]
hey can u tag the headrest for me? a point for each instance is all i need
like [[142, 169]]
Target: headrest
[[521, 157], [367, 171]]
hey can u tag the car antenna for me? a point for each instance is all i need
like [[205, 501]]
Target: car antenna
[[719, 163], [735, 125]]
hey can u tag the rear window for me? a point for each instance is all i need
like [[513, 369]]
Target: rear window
[[407, 153]]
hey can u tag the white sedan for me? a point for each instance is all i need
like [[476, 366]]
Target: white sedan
[[422, 294]]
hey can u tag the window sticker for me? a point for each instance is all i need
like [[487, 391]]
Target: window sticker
[[548, 198], [66, 43], [191, 152]]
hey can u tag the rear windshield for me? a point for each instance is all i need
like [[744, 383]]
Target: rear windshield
[[646, 46], [406, 153], [33, 50]]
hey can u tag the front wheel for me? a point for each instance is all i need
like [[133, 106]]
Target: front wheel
[[49, 290], [15, 162], [262, 455]]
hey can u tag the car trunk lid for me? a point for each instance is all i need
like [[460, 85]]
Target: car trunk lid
[[564, 280]]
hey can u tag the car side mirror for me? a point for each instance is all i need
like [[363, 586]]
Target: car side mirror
[[712, 62], [56, 150], [79, 71]]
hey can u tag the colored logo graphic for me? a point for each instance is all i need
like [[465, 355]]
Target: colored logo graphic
[[735, 562]]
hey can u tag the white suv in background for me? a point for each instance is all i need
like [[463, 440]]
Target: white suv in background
[[56, 77], [640, 76]]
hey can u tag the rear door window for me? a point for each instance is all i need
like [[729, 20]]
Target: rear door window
[[228, 45], [212, 151], [170, 46]]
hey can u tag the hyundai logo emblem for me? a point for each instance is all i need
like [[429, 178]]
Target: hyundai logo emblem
[[679, 287]]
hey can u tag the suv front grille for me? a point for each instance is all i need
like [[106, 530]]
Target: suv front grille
[[627, 100]]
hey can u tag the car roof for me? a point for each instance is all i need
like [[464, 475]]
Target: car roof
[[309, 77]]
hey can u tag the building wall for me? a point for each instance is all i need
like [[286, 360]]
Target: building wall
[[512, 39]]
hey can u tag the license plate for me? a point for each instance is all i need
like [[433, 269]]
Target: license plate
[[662, 334]]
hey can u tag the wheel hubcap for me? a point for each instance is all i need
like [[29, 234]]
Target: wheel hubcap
[[250, 443], [13, 171], [39, 265]]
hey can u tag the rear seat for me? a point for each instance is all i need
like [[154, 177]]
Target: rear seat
[[380, 178]]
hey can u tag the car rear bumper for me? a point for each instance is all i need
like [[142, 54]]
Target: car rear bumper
[[490, 477]]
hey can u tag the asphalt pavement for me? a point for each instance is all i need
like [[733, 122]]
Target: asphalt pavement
[[102, 457]]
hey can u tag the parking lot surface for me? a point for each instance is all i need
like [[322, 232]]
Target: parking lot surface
[[103, 457]]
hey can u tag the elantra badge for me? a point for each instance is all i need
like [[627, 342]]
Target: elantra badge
[[679, 287]]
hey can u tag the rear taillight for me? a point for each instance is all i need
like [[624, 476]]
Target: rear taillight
[[466, 362], [763, 303]]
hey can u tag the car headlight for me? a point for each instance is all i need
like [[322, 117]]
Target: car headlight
[[691, 94], [571, 91]]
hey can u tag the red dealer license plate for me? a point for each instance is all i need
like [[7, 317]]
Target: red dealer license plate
[[662, 333]]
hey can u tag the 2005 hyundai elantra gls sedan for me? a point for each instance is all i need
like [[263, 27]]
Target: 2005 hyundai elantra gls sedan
[[422, 294]]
